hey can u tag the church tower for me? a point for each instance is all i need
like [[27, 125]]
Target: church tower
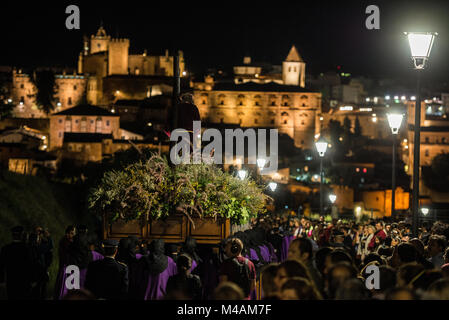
[[99, 42], [294, 69]]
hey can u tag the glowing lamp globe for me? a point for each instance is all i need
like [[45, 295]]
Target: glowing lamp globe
[[420, 46], [242, 174], [272, 186], [321, 147], [261, 163], [395, 120]]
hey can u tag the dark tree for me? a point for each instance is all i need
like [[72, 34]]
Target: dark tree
[[44, 81]]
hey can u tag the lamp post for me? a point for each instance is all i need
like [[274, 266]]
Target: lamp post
[[420, 46], [394, 120], [321, 147]]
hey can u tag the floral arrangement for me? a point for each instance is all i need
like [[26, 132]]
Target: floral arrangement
[[152, 189]]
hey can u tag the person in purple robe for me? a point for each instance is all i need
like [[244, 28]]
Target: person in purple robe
[[80, 255], [157, 269], [285, 245]]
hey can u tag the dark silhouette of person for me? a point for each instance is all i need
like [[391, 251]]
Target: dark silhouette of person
[[16, 263], [108, 278]]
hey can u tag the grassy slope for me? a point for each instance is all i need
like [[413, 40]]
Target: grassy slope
[[33, 201]]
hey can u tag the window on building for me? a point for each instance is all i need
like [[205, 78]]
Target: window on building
[[21, 86], [221, 120], [426, 153], [285, 121], [427, 139], [107, 123], [60, 121], [272, 121], [98, 124], [74, 87], [68, 124], [83, 125], [22, 99], [443, 140], [60, 134], [255, 121], [69, 102], [302, 141]]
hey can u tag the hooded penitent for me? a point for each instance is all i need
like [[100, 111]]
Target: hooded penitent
[[190, 247], [156, 262]]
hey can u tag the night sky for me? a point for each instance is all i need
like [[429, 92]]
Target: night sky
[[220, 33]]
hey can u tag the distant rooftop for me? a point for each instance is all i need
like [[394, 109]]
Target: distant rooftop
[[85, 110]]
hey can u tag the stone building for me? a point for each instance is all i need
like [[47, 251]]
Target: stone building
[[434, 138], [292, 72], [69, 91], [82, 119], [291, 109], [106, 61]]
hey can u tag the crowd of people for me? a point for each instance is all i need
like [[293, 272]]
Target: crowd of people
[[276, 258]]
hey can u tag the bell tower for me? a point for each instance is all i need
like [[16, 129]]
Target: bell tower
[[100, 41], [294, 69]]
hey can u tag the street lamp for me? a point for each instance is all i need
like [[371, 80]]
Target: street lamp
[[242, 174], [394, 120], [425, 211], [420, 46], [321, 147], [332, 198], [272, 186], [261, 162]]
